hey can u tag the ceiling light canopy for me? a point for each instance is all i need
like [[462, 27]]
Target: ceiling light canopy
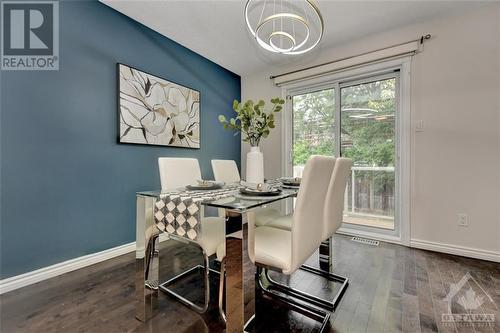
[[285, 26]]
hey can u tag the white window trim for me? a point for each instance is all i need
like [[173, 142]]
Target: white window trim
[[404, 136]]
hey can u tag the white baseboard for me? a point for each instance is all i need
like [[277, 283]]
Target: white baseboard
[[48, 272], [456, 250]]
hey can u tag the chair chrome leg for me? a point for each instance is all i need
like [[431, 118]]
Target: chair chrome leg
[[222, 280], [325, 254], [206, 269], [310, 311], [319, 302], [332, 277], [248, 327]]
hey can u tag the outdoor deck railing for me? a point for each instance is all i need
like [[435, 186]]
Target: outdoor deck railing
[[365, 203]]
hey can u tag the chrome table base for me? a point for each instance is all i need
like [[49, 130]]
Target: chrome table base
[[238, 318], [236, 287], [146, 276]]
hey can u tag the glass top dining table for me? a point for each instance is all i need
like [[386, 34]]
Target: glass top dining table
[[239, 293], [236, 203]]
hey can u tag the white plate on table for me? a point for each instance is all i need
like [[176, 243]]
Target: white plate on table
[[290, 187], [209, 185]]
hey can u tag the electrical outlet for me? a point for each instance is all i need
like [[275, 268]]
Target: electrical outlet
[[419, 126], [463, 220]]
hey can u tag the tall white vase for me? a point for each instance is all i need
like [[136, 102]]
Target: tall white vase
[[255, 166]]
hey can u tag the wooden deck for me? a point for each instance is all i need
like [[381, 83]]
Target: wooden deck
[[369, 221]]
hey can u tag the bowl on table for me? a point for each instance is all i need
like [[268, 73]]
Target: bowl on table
[[260, 193], [290, 181], [258, 190]]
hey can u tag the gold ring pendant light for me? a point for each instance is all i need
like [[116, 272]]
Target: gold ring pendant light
[[280, 25]]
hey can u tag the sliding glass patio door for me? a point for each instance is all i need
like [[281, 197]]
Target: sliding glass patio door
[[355, 119], [368, 137]]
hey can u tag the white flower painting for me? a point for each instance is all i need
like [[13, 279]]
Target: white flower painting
[[156, 111]]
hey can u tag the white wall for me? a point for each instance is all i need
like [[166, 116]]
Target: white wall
[[260, 87], [455, 88]]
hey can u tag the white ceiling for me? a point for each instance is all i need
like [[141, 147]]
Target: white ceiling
[[217, 30]]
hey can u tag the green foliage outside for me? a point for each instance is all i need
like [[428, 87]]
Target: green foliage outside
[[313, 125], [367, 128], [372, 137], [302, 150]]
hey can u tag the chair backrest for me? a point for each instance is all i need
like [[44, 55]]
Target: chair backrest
[[334, 203], [226, 171], [177, 172], [307, 226]]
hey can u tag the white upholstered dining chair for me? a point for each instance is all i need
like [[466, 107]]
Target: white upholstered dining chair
[[334, 203], [332, 219], [286, 251], [179, 172], [226, 171]]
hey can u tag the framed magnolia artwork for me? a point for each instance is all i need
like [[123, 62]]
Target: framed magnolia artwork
[[155, 111]]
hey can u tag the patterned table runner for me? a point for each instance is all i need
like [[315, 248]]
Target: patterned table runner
[[179, 212]]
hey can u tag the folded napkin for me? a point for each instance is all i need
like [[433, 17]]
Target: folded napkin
[[291, 180], [202, 182], [257, 186]]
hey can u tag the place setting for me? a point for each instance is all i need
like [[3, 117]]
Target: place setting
[[205, 185], [250, 190], [290, 182], [259, 189]]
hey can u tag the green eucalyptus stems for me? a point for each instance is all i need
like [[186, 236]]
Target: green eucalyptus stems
[[252, 120]]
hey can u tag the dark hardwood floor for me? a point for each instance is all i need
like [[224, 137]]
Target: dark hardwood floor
[[392, 289]]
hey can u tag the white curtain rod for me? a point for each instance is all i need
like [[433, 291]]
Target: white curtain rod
[[421, 40]]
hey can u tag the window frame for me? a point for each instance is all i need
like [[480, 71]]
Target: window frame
[[397, 67]]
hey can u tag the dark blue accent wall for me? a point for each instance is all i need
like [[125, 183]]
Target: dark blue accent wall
[[67, 187]]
